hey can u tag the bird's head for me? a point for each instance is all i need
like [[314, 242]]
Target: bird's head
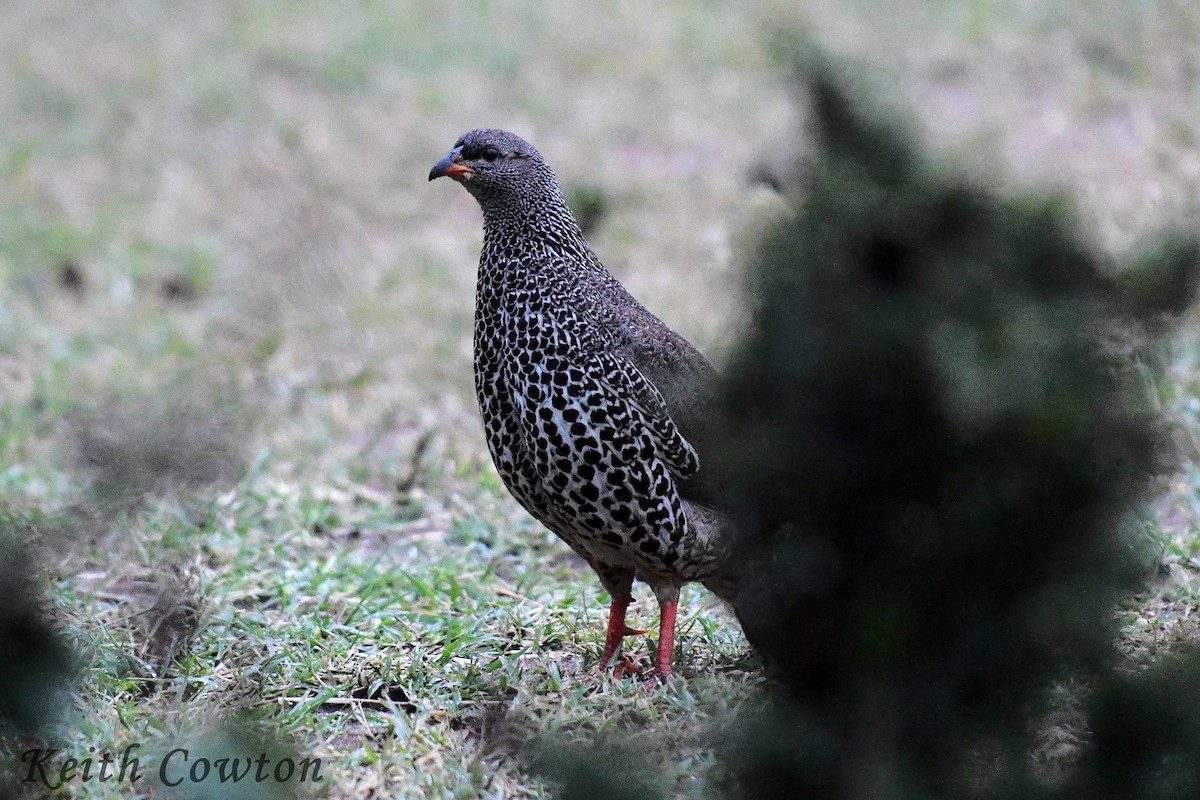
[[492, 164]]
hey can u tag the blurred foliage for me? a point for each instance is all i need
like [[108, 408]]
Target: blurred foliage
[[609, 769], [36, 666], [1145, 730], [262, 764], [936, 468]]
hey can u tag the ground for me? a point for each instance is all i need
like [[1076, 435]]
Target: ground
[[237, 424]]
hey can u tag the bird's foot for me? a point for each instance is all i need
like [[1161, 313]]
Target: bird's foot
[[656, 680], [618, 667], [625, 667]]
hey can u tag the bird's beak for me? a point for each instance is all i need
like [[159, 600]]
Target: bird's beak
[[451, 167]]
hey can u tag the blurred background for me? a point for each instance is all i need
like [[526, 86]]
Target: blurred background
[[235, 318], [238, 189]]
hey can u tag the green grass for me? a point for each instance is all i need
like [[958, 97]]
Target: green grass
[[273, 157], [422, 652]]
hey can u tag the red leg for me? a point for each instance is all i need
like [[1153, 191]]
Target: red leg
[[617, 629], [666, 637]]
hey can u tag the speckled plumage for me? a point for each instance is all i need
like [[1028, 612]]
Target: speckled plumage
[[590, 404]]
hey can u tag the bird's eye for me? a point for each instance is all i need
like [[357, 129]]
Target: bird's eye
[[490, 154]]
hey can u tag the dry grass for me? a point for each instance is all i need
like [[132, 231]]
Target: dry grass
[[228, 292]]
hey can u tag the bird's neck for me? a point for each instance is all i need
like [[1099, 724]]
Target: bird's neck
[[532, 231]]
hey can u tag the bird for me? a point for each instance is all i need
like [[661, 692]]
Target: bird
[[595, 412]]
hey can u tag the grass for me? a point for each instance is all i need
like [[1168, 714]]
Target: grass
[[262, 502]]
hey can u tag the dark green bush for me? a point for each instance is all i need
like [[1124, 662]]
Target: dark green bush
[[937, 468]]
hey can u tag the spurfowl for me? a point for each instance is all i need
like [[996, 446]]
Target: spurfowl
[[591, 405]]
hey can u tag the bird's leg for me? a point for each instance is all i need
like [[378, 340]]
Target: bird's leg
[[666, 637], [617, 630]]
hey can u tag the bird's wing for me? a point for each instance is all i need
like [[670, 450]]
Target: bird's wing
[[685, 379], [601, 450], [620, 377]]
